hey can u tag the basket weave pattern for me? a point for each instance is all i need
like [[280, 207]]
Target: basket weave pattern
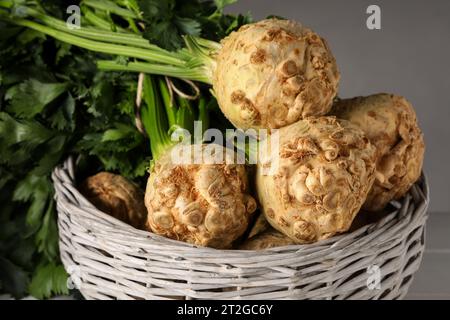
[[108, 259]]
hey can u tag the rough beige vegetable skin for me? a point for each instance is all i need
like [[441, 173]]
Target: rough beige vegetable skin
[[203, 204], [273, 73], [268, 239], [325, 170], [390, 123], [116, 196]]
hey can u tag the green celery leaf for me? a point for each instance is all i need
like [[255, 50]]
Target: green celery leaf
[[47, 236], [101, 94], [221, 4], [188, 26], [168, 20], [48, 279], [53, 151], [141, 168], [29, 134], [29, 35], [37, 190], [165, 35], [30, 97], [121, 131], [63, 118], [126, 107], [63, 51], [24, 189]]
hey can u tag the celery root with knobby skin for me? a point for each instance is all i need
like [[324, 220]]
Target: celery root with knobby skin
[[203, 204], [273, 73], [390, 123], [268, 74], [268, 239], [198, 201], [116, 196], [324, 169], [263, 236]]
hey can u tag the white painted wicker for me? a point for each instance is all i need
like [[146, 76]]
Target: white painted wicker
[[108, 259]]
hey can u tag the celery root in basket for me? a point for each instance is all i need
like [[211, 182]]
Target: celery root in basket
[[200, 202], [323, 171], [390, 123], [116, 196]]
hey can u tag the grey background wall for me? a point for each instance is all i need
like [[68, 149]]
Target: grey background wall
[[409, 56]]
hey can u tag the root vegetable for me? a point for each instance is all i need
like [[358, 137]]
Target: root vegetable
[[268, 74], [203, 204], [268, 239], [116, 196], [324, 170], [273, 73], [195, 200], [390, 123]]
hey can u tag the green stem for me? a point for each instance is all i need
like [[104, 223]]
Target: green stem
[[201, 56], [195, 62], [133, 25], [95, 20], [99, 35], [102, 47], [171, 109], [154, 119], [185, 115], [203, 115], [131, 5], [212, 45], [110, 7], [197, 74], [194, 46]]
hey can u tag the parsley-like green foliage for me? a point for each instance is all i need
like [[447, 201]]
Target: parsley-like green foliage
[[167, 21], [48, 279], [53, 103]]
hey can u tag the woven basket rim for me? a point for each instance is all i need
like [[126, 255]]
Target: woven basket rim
[[112, 259], [338, 242]]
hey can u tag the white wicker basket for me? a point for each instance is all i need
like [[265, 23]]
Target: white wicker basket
[[108, 259]]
